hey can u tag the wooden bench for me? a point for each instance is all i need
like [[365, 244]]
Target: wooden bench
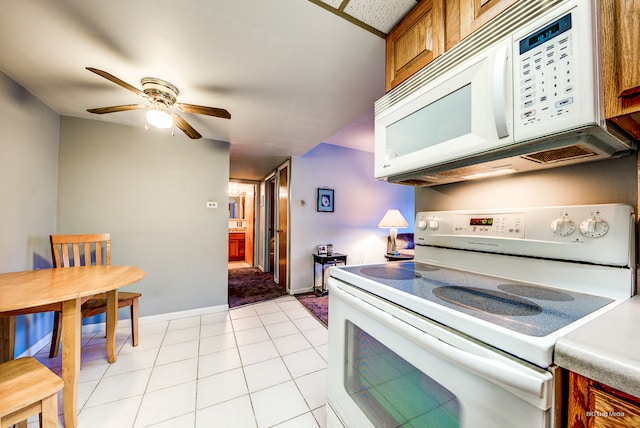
[[27, 388]]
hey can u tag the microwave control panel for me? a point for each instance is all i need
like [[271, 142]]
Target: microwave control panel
[[546, 73]]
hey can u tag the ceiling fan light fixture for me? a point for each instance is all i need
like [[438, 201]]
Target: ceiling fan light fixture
[[161, 96], [159, 118]]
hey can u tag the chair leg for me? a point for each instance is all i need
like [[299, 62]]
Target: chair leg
[[55, 334], [7, 338], [134, 322], [49, 412]]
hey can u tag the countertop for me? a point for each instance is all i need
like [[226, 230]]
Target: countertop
[[606, 349]]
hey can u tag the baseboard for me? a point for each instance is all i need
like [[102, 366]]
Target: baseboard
[[181, 314], [302, 291], [36, 347], [96, 327]]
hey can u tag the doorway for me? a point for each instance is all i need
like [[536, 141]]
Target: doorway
[[242, 201]]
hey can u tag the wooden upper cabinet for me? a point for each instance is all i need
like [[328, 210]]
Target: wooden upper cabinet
[[416, 41], [431, 28], [620, 33], [475, 13]]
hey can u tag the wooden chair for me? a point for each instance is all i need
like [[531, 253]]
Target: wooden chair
[[84, 250], [26, 388]]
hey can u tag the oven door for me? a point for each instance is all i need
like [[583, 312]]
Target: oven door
[[389, 367]]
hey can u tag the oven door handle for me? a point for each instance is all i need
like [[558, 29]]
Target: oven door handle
[[529, 382]]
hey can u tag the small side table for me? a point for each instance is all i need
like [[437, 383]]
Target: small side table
[[398, 257], [332, 260]]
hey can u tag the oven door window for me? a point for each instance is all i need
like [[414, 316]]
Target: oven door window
[[391, 391]]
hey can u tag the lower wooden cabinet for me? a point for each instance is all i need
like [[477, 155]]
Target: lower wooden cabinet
[[590, 404], [236, 247]]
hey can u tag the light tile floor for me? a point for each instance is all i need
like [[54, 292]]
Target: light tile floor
[[260, 365]]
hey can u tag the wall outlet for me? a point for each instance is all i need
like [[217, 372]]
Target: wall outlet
[[211, 204]]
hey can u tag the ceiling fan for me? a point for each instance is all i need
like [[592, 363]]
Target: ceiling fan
[[162, 97]]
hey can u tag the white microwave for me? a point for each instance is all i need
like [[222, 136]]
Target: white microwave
[[527, 99]]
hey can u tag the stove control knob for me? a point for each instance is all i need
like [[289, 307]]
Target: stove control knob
[[433, 224], [594, 227], [563, 226], [422, 224]]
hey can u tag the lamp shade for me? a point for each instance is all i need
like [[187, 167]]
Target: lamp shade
[[393, 218]]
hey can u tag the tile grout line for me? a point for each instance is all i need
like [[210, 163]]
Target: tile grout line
[[283, 306]]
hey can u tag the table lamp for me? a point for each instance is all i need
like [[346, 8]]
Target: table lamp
[[392, 220]]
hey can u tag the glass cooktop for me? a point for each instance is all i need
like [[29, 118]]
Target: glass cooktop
[[529, 309]]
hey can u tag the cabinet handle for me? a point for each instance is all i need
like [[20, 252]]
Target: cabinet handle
[[631, 92], [500, 65]]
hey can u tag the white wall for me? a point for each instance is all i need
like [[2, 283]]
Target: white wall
[[28, 173], [360, 203], [149, 190]]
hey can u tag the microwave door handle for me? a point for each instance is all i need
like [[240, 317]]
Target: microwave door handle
[[499, 87], [531, 384]]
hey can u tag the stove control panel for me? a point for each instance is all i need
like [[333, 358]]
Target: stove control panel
[[600, 234], [508, 224]]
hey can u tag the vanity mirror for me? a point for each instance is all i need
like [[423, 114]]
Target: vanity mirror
[[236, 207]]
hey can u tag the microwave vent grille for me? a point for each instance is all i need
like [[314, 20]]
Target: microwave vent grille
[[561, 154], [415, 182]]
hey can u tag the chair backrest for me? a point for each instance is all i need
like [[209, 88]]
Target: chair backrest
[[87, 249]]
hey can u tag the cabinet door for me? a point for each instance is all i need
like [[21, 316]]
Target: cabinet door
[[416, 41], [611, 411], [236, 246], [620, 32], [590, 404], [475, 13], [233, 249]]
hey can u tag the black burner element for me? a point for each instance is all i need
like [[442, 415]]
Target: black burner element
[[490, 301]]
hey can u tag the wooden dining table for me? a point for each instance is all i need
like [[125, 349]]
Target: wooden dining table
[[69, 286]]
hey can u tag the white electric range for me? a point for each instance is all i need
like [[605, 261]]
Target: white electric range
[[484, 301]]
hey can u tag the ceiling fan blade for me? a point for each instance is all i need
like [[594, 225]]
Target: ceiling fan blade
[[185, 127], [209, 111], [115, 109], [117, 81]]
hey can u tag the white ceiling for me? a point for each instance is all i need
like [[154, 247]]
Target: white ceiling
[[292, 73]]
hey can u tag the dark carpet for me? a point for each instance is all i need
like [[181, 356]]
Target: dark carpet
[[251, 285], [318, 306]]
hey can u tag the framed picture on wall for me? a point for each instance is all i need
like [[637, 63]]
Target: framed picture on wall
[[325, 200]]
